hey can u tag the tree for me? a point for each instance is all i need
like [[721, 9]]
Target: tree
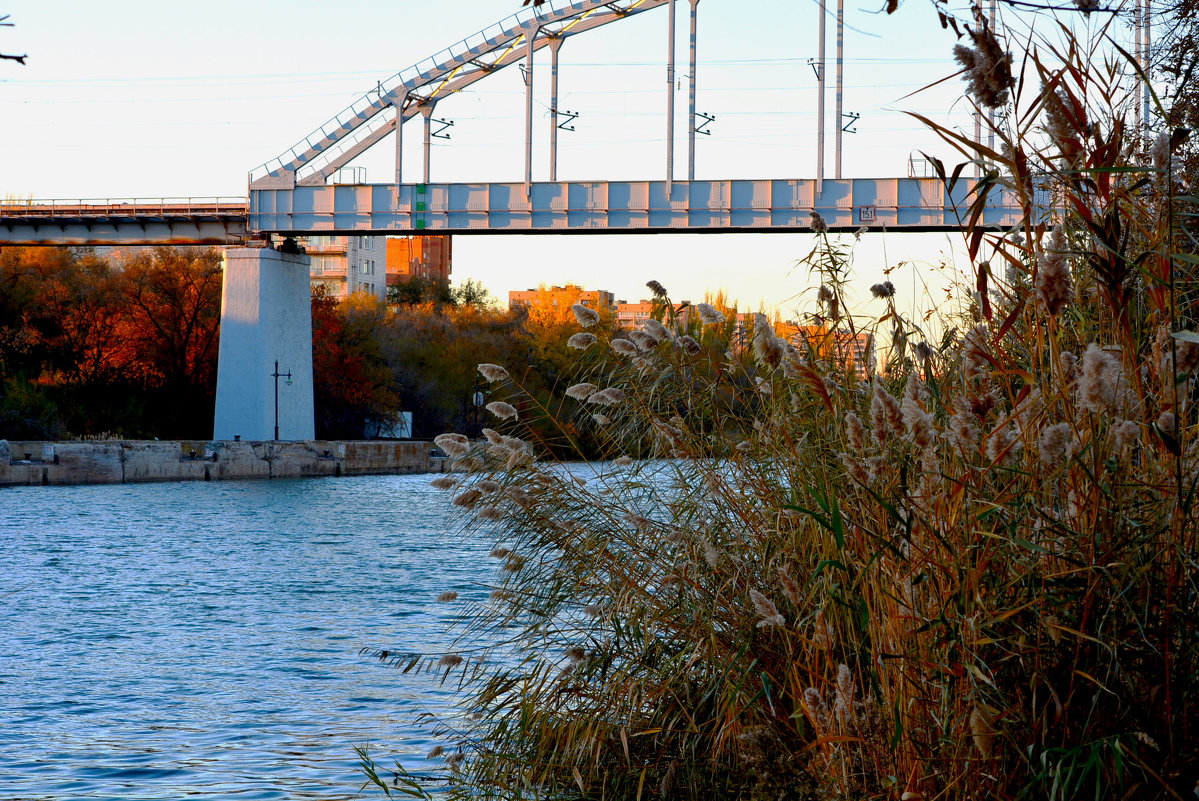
[[471, 292], [353, 385], [4, 56], [173, 314], [420, 289]]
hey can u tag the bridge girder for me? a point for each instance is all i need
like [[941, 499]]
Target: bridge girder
[[579, 207]]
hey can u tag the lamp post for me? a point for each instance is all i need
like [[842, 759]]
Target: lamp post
[[477, 399], [277, 375]]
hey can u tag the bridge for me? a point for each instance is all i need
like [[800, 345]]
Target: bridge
[[265, 299], [730, 206], [124, 221]]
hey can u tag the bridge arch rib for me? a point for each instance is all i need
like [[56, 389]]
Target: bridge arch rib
[[364, 123]]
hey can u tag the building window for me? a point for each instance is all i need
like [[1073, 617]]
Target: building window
[[368, 267]]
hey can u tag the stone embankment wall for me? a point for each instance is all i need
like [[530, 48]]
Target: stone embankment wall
[[33, 463]]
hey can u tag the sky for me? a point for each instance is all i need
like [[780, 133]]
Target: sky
[[135, 98]]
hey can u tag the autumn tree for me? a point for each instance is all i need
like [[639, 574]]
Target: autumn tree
[[89, 346], [173, 316], [353, 385]]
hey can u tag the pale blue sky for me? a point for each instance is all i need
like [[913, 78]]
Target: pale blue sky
[[134, 98]]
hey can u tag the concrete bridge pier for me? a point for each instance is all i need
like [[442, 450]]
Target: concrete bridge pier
[[266, 318]]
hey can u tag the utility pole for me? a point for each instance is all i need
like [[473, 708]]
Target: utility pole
[[1136, 49], [1147, 66], [820, 103], [531, 45], [427, 112], [991, 113], [840, 118], [670, 48], [691, 92], [399, 107], [555, 46]]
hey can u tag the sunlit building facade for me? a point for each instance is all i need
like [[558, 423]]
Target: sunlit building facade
[[598, 299], [632, 315], [348, 264], [851, 350], [428, 257]]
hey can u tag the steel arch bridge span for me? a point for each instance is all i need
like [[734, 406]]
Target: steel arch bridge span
[[290, 195], [417, 89]]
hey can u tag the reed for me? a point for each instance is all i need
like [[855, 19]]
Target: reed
[[970, 574]]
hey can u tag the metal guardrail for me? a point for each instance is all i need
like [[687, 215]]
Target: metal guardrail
[[135, 207]]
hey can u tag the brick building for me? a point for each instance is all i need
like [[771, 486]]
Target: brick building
[[410, 257], [598, 299]]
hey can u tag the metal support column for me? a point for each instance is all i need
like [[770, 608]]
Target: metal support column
[[691, 99], [1147, 66], [978, 138], [820, 102], [530, 43], [399, 107], [1136, 49], [427, 112], [555, 45], [670, 48], [839, 119], [991, 112]]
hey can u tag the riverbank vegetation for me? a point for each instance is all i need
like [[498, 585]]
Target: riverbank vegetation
[[90, 345], [125, 346], [971, 573]]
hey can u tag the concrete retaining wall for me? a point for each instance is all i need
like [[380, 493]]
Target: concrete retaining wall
[[32, 463]]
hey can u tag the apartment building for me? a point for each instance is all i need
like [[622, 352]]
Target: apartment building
[[348, 264], [632, 315], [569, 295], [850, 349], [411, 257]]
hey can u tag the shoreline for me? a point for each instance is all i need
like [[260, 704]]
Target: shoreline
[[33, 463]]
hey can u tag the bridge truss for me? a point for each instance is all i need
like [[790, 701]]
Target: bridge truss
[[417, 90], [291, 195]]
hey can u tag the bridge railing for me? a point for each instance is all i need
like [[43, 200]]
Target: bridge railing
[[105, 207], [411, 77]]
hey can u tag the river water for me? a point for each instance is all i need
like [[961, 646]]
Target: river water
[[202, 640]]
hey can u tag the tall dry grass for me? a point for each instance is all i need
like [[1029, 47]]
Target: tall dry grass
[[971, 575]]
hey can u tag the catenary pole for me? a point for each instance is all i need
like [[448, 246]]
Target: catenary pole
[[670, 48], [820, 101], [839, 118], [691, 96]]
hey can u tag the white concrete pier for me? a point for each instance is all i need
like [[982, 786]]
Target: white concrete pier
[[266, 317]]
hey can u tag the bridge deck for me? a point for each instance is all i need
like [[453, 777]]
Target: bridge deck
[[909, 204], [124, 221], [573, 207]]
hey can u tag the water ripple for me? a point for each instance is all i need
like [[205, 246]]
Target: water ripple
[[202, 641]]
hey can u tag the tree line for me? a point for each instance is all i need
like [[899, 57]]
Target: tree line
[[124, 345]]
